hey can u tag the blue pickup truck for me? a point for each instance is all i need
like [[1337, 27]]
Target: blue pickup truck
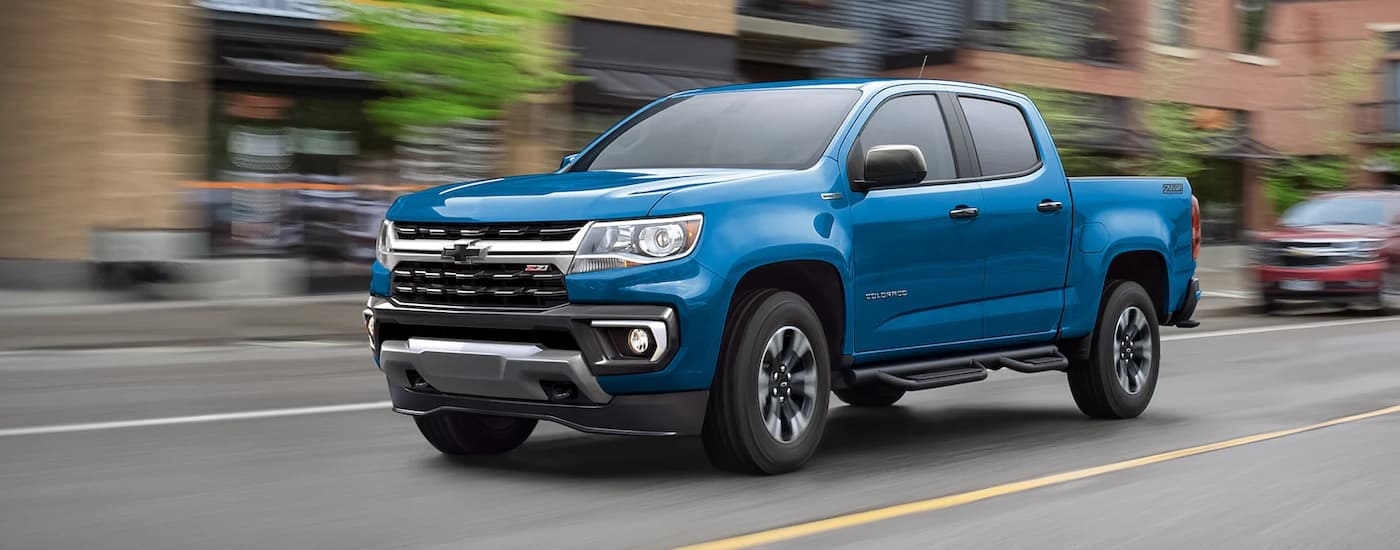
[[724, 260]]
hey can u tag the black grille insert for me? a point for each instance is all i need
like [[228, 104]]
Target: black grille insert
[[552, 231], [480, 285], [1278, 254]]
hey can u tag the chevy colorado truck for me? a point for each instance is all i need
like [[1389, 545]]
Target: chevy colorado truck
[[724, 260]]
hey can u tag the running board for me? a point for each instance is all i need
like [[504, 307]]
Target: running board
[[922, 374]]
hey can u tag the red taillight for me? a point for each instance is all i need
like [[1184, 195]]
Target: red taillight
[[1195, 228]]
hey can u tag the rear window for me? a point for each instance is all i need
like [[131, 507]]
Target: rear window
[[1001, 136]]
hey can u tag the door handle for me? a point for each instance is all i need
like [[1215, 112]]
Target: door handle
[[1048, 205], [963, 212]]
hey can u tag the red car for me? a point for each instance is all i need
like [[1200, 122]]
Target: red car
[[1339, 248]]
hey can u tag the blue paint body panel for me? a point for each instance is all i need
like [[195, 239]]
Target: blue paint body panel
[[915, 281]]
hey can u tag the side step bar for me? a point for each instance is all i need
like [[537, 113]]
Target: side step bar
[[922, 374]]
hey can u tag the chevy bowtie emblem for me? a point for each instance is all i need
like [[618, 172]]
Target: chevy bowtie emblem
[[464, 253]]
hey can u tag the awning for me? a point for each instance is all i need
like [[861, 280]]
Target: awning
[[1241, 147], [294, 70], [1107, 139], [640, 85]]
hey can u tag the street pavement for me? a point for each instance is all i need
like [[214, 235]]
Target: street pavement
[[295, 448]]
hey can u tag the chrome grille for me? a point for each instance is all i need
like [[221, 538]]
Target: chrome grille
[[1279, 254], [484, 285], [551, 231]]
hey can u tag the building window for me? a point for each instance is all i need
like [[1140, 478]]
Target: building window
[[1169, 22], [993, 12], [1252, 23]]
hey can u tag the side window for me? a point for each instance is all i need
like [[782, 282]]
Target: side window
[[1001, 136], [908, 120]]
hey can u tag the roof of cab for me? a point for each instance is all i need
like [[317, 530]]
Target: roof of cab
[[866, 84]]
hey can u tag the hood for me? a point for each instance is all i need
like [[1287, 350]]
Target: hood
[[568, 196], [1323, 232]]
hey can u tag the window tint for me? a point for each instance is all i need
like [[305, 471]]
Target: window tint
[[909, 120], [772, 129], [1000, 135]]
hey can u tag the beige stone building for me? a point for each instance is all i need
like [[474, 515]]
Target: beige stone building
[[194, 130]]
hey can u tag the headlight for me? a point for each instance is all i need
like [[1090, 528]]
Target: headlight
[[610, 245], [382, 246]]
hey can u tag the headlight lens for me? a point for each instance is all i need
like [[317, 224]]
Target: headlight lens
[[382, 246], [611, 245]]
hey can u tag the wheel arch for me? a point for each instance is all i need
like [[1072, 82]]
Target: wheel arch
[[817, 281]]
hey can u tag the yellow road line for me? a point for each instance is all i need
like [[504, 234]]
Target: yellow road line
[[880, 514]]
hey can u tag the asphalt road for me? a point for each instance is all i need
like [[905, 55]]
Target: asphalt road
[[361, 477]]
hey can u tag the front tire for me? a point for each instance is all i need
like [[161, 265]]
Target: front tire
[[467, 434], [1120, 375], [768, 404]]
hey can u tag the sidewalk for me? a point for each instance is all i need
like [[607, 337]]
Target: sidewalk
[[36, 320], [64, 325]]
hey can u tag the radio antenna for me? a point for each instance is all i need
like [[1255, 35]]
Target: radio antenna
[[921, 66]]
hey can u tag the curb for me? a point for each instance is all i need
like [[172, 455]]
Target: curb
[[164, 323]]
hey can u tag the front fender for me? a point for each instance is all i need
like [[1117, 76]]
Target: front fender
[[771, 220]]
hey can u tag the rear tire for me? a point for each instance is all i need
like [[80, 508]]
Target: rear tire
[[869, 396], [775, 338], [467, 434], [1120, 375]]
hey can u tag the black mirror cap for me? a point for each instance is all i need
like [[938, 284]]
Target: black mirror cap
[[893, 165]]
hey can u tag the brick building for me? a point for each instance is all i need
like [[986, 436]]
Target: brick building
[[1266, 68]]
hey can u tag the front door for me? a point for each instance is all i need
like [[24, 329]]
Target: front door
[[918, 268]]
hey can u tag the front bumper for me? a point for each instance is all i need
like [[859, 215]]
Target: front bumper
[[661, 414], [542, 364], [1361, 282]]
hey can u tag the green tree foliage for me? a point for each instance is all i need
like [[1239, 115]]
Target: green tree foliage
[[446, 61], [1293, 180], [1179, 148]]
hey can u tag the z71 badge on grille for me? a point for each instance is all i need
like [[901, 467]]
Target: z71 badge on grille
[[536, 268]]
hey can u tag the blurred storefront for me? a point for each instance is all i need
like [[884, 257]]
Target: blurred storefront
[[294, 167]]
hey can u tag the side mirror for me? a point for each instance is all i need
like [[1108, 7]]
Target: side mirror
[[568, 159], [893, 165]]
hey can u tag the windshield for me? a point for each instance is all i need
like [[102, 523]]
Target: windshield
[[1336, 211], [785, 129]]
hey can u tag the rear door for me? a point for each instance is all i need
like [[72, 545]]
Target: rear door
[[1025, 216], [918, 267]]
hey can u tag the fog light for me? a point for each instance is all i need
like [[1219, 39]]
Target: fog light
[[369, 326], [639, 341]]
